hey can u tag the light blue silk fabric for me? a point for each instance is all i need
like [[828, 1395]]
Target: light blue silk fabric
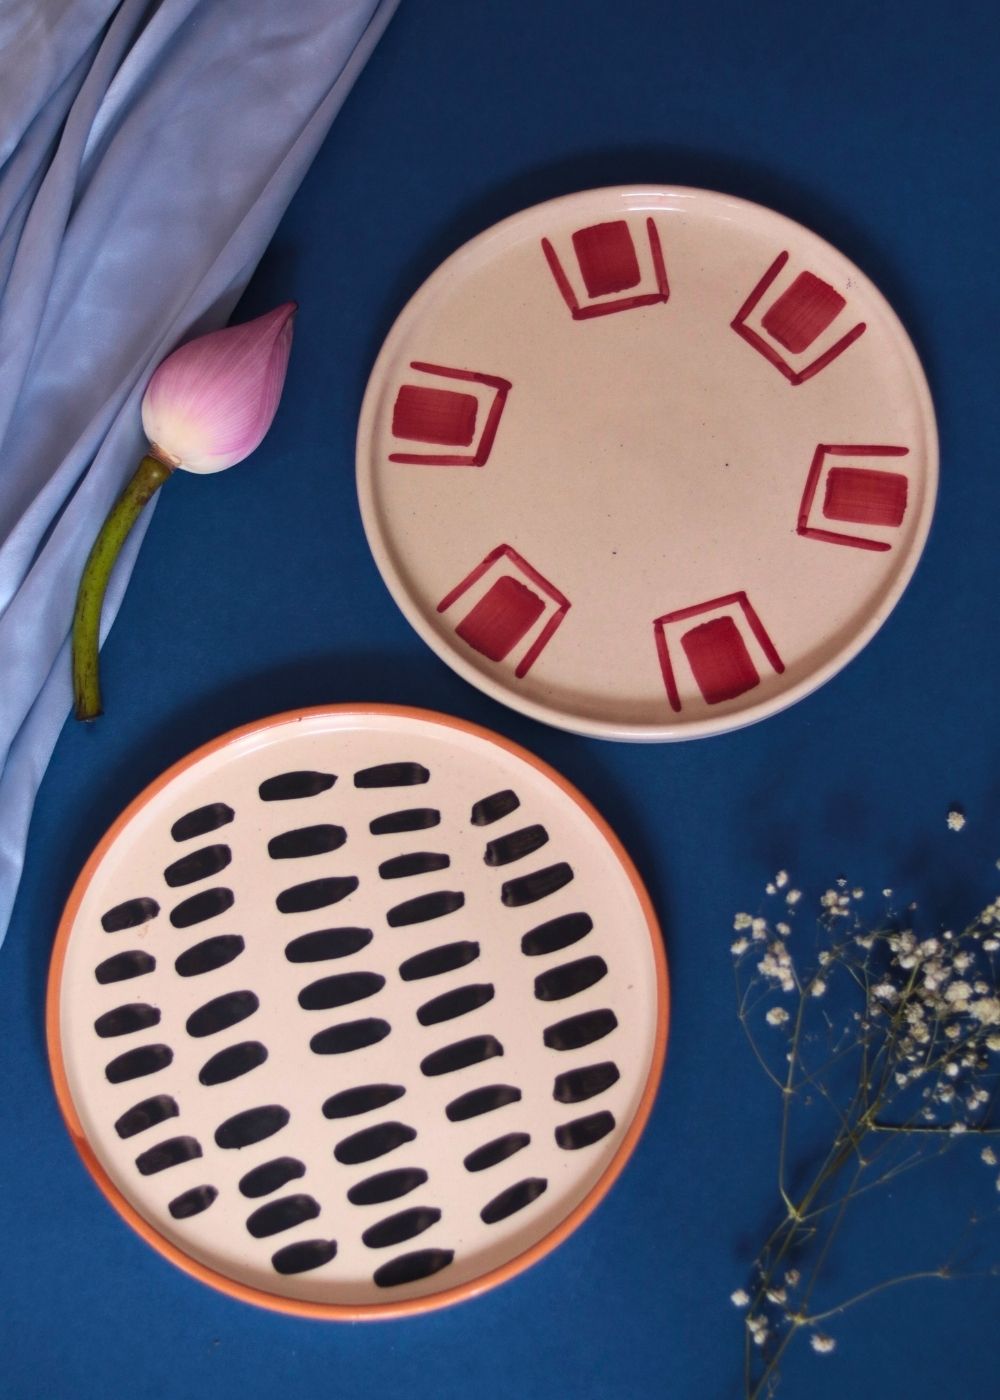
[[147, 152]]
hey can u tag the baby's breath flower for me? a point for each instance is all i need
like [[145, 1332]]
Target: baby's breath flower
[[818, 987], [955, 819], [781, 879], [793, 896], [739, 947], [885, 991], [857, 893], [989, 1156], [777, 1016], [742, 921], [740, 1298], [821, 1343], [993, 1042], [783, 929], [792, 1278], [778, 1296], [986, 1010], [957, 1129]]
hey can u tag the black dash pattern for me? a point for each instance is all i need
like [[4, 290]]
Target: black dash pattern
[[286, 787], [485, 1099], [209, 954], [363, 1098], [408, 1268], [324, 944], [306, 841], [458, 1002], [515, 1198], [412, 819], [135, 1064], [252, 1125], [584, 1131], [271, 1176], [126, 1020], [206, 904], [504, 850], [283, 1214], [221, 1012], [555, 934], [528, 889], [435, 961], [490, 809], [232, 1062], [341, 989], [197, 865], [386, 1186], [425, 907], [121, 966], [146, 1115], [130, 914], [404, 1225], [168, 1154], [568, 979], [349, 1036], [461, 1054], [192, 1202], [316, 894], [384, 775], [201, 821], [498, 1150], [376, 1141]]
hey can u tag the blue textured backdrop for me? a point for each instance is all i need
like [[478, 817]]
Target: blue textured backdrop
[[872, 123]]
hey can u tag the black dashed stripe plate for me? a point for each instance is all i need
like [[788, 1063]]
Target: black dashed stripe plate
[[357, 1011]]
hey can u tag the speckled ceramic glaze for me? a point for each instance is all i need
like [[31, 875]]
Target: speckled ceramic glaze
[[356, 1012], [647, 463]]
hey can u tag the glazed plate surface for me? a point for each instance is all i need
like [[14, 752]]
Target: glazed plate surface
[[647, 463], [356, 1012]]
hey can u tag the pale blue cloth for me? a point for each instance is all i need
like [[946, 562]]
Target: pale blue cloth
[[147, 152]]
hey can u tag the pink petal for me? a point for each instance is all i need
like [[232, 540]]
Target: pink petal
[[210, 403]]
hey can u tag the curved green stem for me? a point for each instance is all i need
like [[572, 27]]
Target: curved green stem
[[149, 476]]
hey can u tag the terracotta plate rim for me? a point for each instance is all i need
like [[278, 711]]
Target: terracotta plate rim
[[360, 1311]]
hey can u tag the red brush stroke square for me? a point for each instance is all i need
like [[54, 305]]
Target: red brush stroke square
[[440, 416], [865, 497], [502, 616], [607, 258], [718, 657], [803, 312]]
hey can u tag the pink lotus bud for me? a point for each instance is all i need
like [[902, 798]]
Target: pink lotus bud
[[210, 403]]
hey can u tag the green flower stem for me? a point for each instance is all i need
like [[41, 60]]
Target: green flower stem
[[149, 476]]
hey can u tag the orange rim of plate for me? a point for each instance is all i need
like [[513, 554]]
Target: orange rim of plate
[[359, 1311]]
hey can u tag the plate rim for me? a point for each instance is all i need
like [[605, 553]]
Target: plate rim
[[500, 690], [351, 1311]]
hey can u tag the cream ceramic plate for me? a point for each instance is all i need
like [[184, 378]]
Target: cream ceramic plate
[[647, 463], [356, 1012]]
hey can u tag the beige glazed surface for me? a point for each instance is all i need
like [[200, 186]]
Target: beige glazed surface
[[647, 463], [336, 900]]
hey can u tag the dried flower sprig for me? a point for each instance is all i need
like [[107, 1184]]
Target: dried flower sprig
[[898, 1037], [206, 407]]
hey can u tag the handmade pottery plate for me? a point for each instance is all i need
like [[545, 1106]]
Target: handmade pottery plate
[[357, 1012], [647, 463]]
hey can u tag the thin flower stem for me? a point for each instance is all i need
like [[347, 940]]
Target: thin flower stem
[[813, 1318], [149, 476]]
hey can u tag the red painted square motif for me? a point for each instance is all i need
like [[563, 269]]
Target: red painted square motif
[[501, 618], [607, 259], [609, 267], [724, 654], [803, 312], [719, 659], [428, 415], [799, 327], [434, 415], [514, 609], [865, 496]]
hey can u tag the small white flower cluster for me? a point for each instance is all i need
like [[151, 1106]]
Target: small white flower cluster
[[822, 1344], [955, 819]]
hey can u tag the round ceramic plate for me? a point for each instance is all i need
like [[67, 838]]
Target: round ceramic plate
[[647, 463], [357, 1012]]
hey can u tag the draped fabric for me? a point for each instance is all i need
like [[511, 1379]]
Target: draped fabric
[[147, 152]]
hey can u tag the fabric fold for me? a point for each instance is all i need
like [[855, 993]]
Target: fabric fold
[[182, 146]]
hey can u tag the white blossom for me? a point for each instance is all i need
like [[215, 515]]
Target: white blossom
[[739, 947], [777, 1016], [986, 1010], [956, 819], [793, 896], [740, 1298], [742, 921], [821, 1343], [781, 879], [989, 1156]]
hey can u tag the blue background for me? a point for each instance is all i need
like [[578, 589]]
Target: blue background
[[875, 125]]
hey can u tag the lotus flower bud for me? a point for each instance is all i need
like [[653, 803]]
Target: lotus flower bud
[[210, 403]]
